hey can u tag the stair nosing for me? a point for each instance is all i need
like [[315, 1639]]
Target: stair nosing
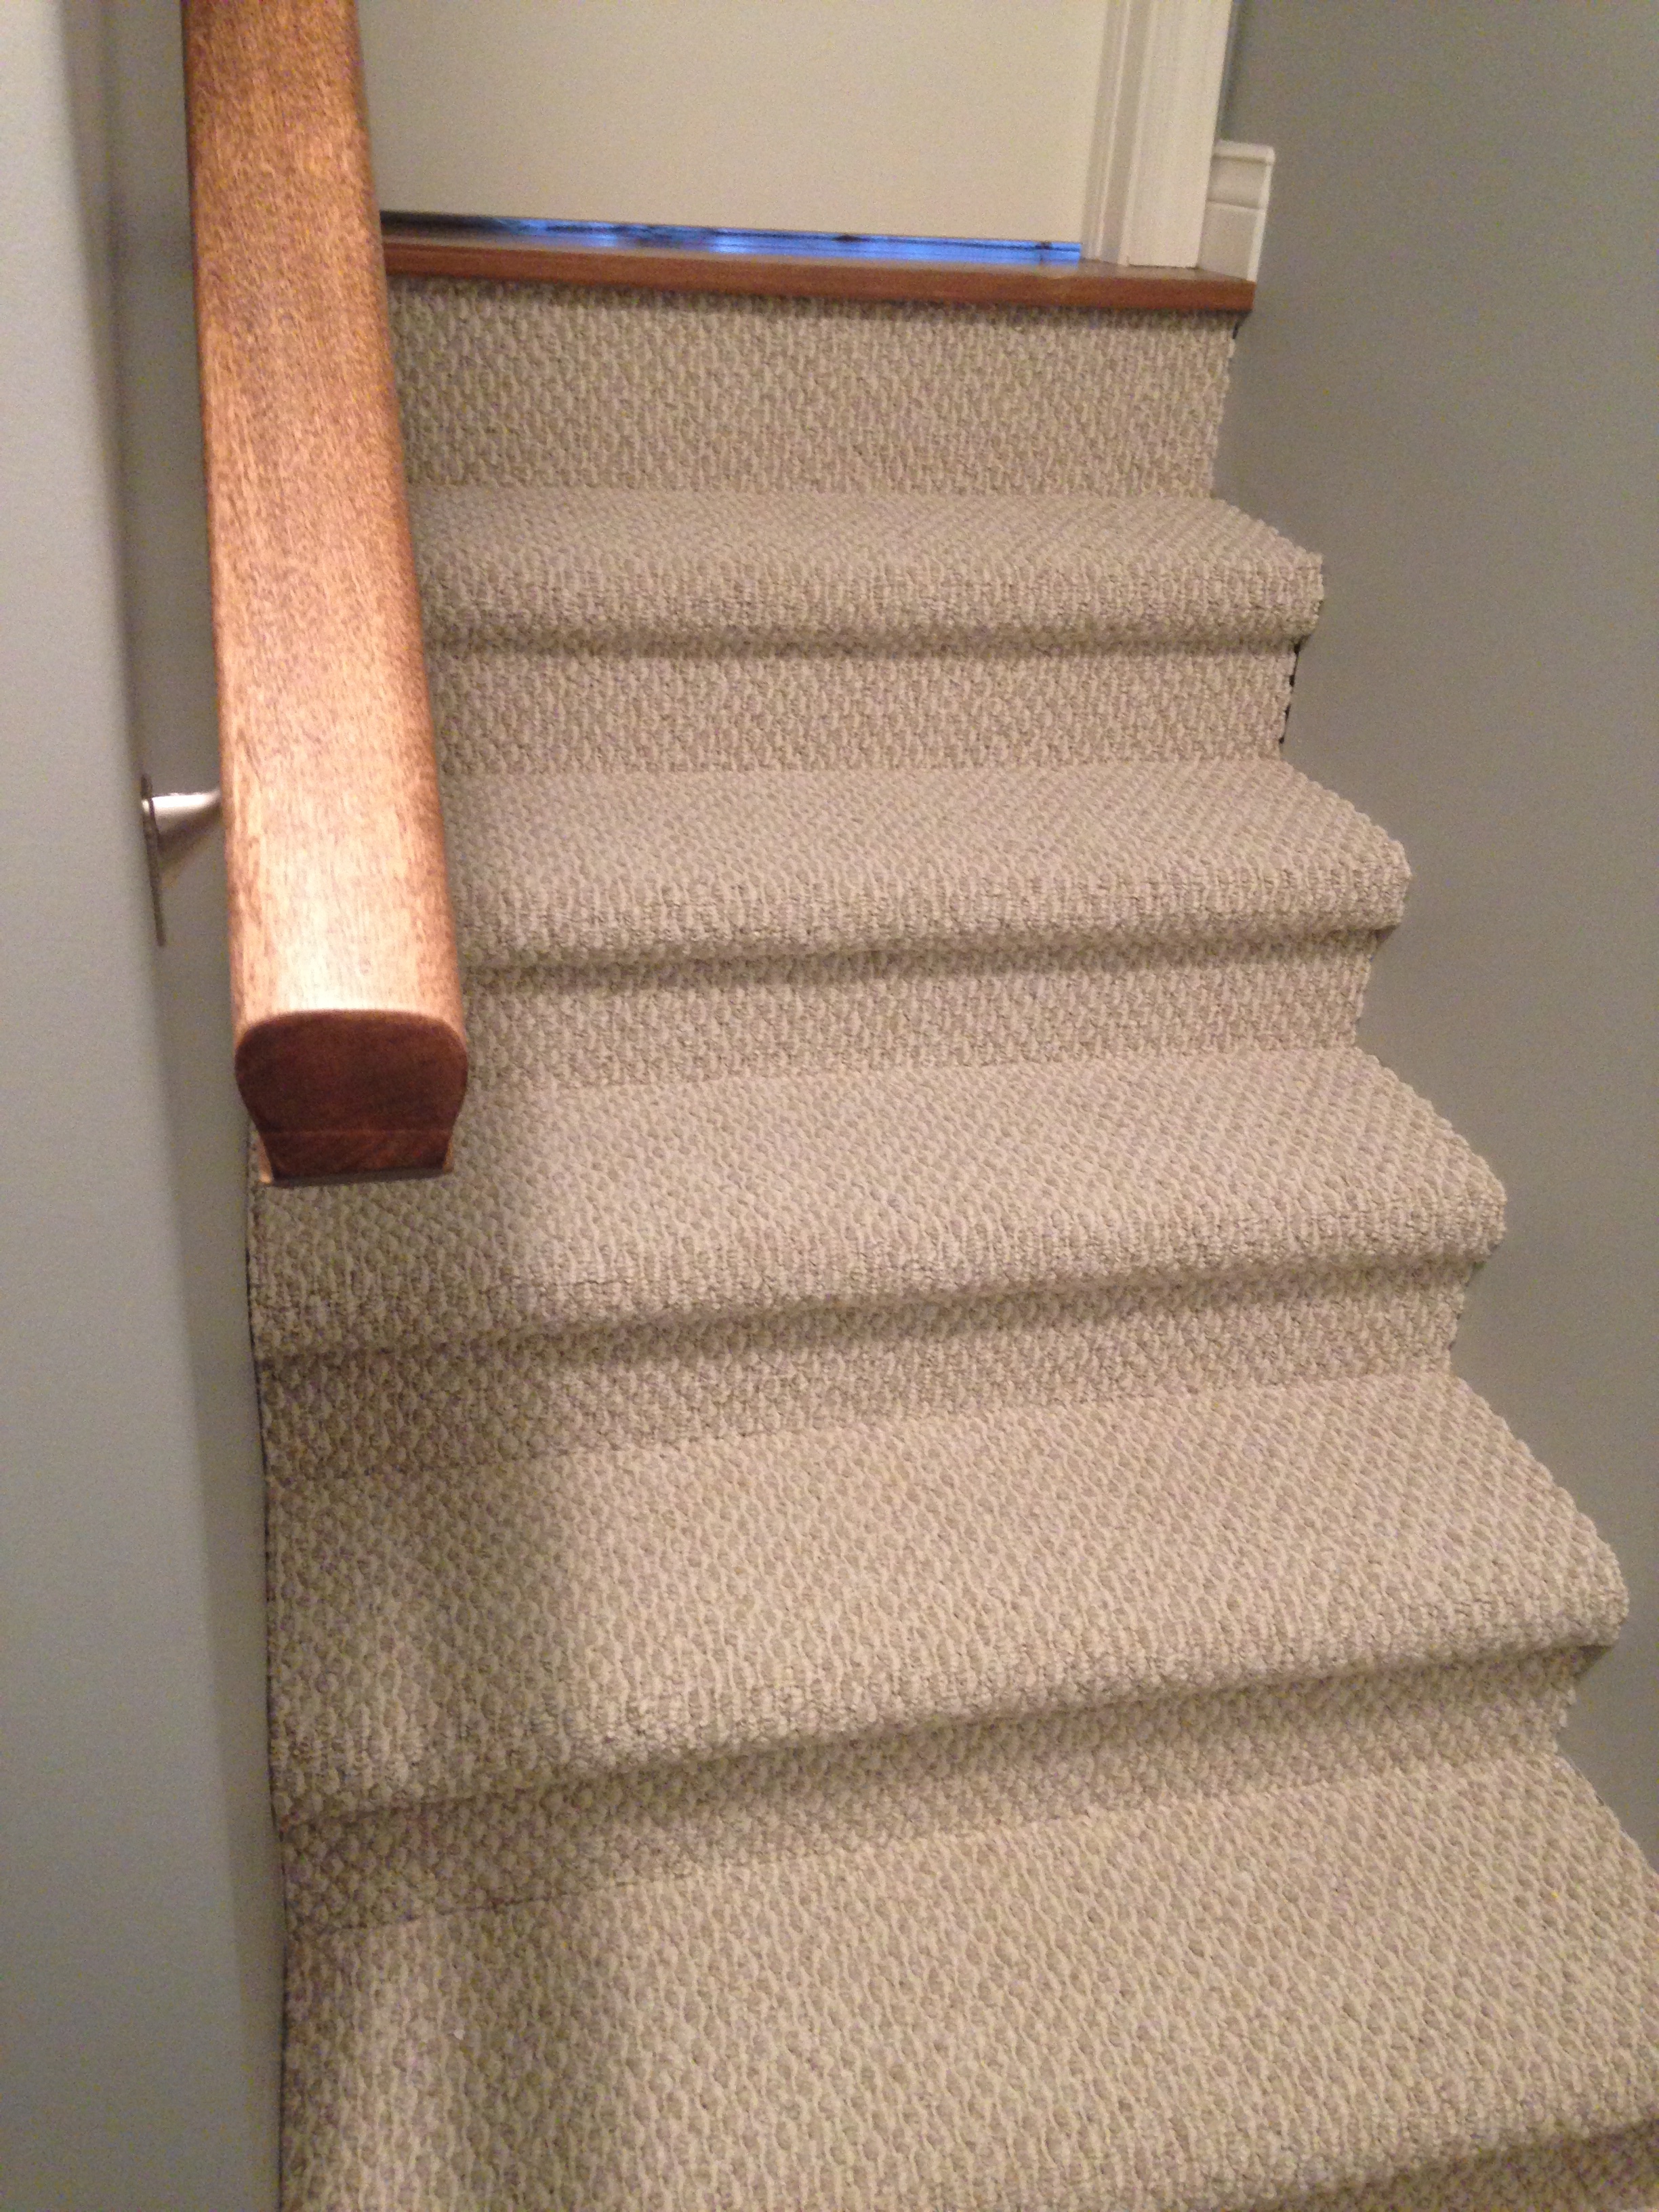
[[578, 871], [625, 586]]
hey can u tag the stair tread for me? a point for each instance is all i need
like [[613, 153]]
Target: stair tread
[[1197, 2002], [588, 868], [533, 565], [441, 1627], [647, 1205]]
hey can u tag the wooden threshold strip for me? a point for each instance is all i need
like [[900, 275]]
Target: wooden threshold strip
[[512, 253]]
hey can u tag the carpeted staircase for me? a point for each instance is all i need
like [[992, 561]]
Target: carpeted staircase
[[886, 1602]]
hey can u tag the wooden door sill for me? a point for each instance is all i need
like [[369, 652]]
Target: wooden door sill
[[940, 273]]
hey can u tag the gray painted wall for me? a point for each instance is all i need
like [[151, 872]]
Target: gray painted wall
[[1448, 388], [140, 1938]]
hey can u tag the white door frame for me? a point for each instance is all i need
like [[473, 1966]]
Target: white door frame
[[1155, 166]]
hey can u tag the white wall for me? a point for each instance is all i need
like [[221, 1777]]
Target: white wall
[[966, 119], [1447, 387], [140, 1943]]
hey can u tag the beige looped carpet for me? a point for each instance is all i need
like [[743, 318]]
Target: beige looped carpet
[[886, 1602]]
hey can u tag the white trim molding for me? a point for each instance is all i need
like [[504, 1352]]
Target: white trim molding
[[1160, 93], [1235, 213]]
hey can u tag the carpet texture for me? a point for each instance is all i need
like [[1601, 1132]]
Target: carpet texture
[[522, 385], [887, 1599], [580, 871], [1202, 2000]]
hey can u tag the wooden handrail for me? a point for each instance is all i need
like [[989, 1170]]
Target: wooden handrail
[[350, 1049]]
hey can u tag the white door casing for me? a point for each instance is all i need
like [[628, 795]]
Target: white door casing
[[1159, 95]]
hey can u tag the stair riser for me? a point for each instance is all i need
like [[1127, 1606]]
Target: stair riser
[[693, 1022], [553, 384], [505, 709], [508, 1830], [523, 1396]]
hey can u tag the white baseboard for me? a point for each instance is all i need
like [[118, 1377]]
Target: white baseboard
[[1236, 211]]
